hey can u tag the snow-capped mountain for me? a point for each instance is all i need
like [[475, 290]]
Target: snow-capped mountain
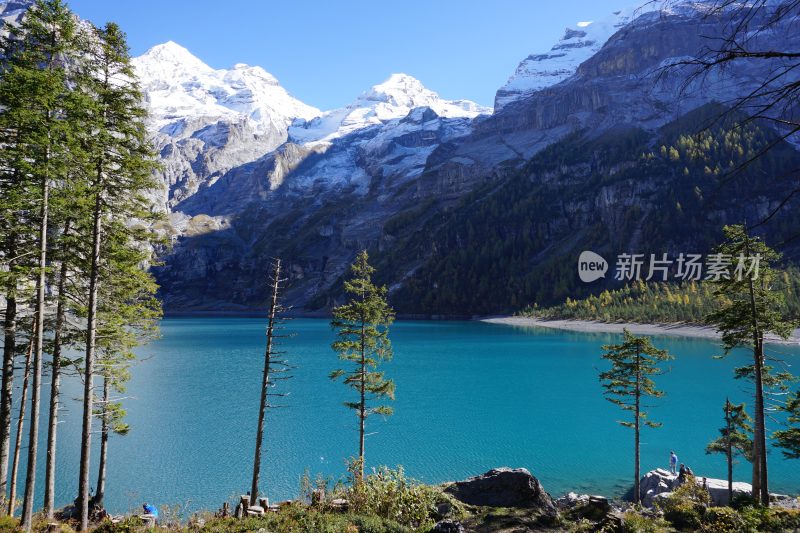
[[253, 172], [207, 121], [392, 99], [538, 71], [178, 85]]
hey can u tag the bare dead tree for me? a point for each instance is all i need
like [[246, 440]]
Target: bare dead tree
[[274, 368]]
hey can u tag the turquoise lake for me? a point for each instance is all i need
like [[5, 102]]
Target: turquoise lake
[[470, 397]]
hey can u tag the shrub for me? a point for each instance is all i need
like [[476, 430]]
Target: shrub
[[685, 507], [305, 520], [633, 522], [389, 494], [8, 523], [132, 524], [778, 520], [742, 500], [723, 520]]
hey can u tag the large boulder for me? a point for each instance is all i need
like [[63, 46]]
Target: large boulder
[[656, 482], [718, 489], [503, 487], [659, 483]]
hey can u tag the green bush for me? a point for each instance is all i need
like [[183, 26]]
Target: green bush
[[131, 524], [8, 523], [685, 507], [305, 520], [633, 522], [772, 519], [723, 520], [389, 494], [742, 500]]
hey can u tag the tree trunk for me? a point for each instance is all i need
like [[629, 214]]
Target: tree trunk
[[20, 425], [362, 415], [637, 496], [6, 393], [36, 386], [760, 489], [763, 424], [9, 353], [265, 383], [100, 491], [729, 449], [55, 383], [91, 334]]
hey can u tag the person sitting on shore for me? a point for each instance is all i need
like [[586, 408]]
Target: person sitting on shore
[[673, 463], [682, 473], [150, 510]]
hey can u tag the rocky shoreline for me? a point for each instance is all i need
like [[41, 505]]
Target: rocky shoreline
[[518, 488]]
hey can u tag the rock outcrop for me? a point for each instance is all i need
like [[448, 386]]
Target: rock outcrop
[[659, 483], [503, 487]]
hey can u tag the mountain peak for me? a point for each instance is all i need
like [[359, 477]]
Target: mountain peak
[[172, 53], [399, 81], [392, 99], [579, 43]]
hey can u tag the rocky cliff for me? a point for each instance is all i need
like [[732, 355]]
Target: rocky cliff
[[254, 173]]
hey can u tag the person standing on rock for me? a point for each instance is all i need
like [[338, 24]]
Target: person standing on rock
[[673, 463]]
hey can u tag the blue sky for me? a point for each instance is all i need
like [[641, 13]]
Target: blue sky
[[328, 52]]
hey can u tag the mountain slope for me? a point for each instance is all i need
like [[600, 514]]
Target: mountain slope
[[445, 197], [517, 242]]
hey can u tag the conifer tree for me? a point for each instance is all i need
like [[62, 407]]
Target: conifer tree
[[128, 314], [628, 382], [273, 368], [748, 309], [362, 328], [789, 438], [35, 97], [734, 439], [121, 166]]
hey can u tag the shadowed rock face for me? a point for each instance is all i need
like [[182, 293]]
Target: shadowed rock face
[[503, 487]]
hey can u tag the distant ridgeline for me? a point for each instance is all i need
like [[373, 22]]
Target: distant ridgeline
[[657, 302], [516, 240]]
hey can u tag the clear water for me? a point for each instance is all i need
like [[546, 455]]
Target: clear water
[[470, 396]]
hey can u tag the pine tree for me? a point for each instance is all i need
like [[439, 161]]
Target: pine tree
[[629, 381], [273, 368], [362, 326], [122, 165], [127, 316], [789, 438], [748, 308], [734, 439], [35, 97]]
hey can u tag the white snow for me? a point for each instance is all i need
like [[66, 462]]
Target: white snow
[[539, 71], [178, 85], [394, 98]]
